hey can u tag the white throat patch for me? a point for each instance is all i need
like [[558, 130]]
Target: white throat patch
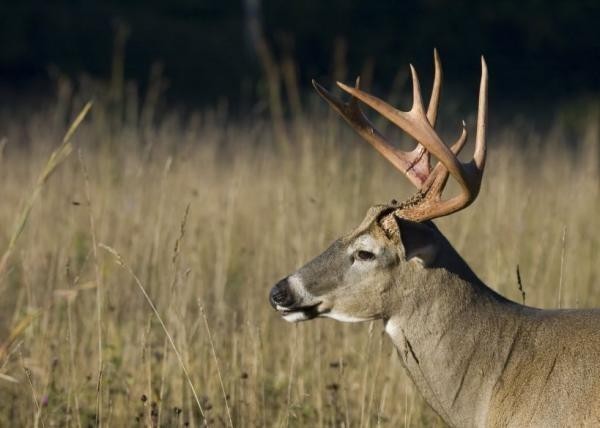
[[392, 328], [343, 317]]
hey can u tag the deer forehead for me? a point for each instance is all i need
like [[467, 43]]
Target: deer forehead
[[366, 242]]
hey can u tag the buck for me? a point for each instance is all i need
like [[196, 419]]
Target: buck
[[479, 359]]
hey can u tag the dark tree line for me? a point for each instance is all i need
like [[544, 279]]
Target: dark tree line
[[536, 48]]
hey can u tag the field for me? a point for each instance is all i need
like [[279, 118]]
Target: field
[[204, 213]]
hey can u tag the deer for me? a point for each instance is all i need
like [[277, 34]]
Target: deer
[[478, 358]]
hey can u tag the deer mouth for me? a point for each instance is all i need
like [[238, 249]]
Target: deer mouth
[[299, 313]]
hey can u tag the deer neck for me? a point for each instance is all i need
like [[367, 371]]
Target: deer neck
[[452, 334]]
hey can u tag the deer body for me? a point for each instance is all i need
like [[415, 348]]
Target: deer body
[[479, 359]]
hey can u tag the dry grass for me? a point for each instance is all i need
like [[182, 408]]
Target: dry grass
[[257, 210]]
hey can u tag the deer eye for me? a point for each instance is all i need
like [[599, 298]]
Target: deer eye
[[364, 255]]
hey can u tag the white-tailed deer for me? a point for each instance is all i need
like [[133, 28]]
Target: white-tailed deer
[[478, 359]]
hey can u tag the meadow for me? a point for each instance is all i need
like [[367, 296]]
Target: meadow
[[181, 223]]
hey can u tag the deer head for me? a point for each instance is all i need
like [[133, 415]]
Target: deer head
[[366, 274]]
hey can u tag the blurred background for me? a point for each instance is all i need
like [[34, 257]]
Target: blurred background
[[539, 52], [207, 169]]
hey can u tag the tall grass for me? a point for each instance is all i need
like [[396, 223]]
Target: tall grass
[[257, 210]]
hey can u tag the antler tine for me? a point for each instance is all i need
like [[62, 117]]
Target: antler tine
[[415, 122], [423, 162], [414, 164], [335, 103], [439, 175], [353, 115], [434, 101], [480, 143]]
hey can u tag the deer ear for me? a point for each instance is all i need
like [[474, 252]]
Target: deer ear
[[419, 241]]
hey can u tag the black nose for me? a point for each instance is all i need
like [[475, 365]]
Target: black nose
[[280, 294]]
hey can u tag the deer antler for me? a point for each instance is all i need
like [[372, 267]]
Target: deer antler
[[427, 203]]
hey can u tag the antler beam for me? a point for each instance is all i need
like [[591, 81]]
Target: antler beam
[[417, 123]]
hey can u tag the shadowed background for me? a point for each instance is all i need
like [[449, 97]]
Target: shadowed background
[[538, 51]]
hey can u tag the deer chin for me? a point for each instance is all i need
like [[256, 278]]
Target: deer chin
[[297, 316]]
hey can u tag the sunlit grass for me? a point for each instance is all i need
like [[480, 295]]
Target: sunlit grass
[[257, 210]]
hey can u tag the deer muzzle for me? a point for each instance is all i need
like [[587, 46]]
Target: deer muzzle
[[288, 298]]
